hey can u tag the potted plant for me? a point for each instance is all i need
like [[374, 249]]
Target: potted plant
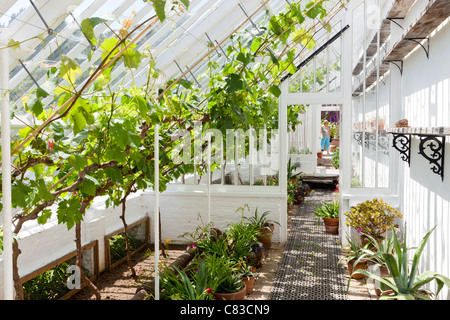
[[247, 276], [319, 154], [265, 227], [406, 283], [223, 277], [372, 217], [329, 212], [374, 252], [355, 258], [177, 285], [231, 288], [291, 176]]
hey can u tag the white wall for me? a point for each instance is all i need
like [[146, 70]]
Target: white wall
[[425, 198], [422, 95]]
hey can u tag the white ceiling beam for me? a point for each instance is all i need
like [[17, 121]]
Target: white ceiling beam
[[47, 51]]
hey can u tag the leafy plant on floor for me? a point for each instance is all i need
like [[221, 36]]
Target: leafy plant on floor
[[406, 282], [178, 285]]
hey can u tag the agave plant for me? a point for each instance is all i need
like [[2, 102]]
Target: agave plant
[[375, 249], [407, 284]]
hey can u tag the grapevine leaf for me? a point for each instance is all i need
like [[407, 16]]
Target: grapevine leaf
[[275, 91], [68, 212], [234, 83]]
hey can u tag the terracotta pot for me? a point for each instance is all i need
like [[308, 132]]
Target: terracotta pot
[[249, 283], [361, 265], [266, 237], [240, 295], [381, 123], [257, 254], [331, 225], [319, 155]]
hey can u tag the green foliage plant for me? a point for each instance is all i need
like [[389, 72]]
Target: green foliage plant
[[222, 273], [375, 249], [118, 246], [178, 285], [327, 210], [406, 283], [372, 217], [335, 158], [354, 251], [49, 285], [259, 220], [241, 237]]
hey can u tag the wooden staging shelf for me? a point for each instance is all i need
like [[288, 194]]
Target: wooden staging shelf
[[434, 14], [433, 131]]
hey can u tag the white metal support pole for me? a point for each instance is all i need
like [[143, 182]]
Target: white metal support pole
[[282, 131], [208, 184], [156, 213], [8, 284], [345, 169]]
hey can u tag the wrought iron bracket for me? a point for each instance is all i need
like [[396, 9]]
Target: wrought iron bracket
[[370, 140], [402, 143], [419, 42], [432, 148], [398, 64], [393, 20]]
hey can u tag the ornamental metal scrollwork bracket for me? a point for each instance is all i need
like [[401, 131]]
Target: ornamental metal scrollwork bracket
[[402, 143], [432, 148], [358, 137]]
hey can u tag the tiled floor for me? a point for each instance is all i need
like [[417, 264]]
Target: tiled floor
[[309, 273]]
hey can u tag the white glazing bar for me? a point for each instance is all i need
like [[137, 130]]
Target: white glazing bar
[[156, 212], [377, 107], [208, 183], [251, 155], [363, 141], [283, 155], [8, 285]]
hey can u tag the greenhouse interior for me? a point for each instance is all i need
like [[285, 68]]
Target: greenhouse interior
[[225, 150]]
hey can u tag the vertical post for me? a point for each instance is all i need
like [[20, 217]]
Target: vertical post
[[208, 183], [156, 212], [8, 284], [282, 129], [345, 169]]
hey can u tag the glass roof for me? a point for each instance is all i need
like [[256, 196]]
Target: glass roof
[[177, 44]]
